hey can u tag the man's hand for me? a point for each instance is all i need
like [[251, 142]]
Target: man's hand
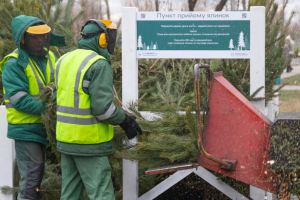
[[130, 126]]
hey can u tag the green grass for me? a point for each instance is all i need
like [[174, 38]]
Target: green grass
[[289, 101], [294, 80]]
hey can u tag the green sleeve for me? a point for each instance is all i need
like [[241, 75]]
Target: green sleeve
[[101, 94], [15, 80]]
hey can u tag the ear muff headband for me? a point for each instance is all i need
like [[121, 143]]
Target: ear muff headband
[[103, 39]]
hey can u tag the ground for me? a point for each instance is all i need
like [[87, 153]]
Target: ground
[[289, 99]]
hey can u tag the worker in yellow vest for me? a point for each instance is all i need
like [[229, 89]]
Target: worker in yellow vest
[[25, 72], [86, 114]]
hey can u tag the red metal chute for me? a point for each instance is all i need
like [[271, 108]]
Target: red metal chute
[[237, 130]]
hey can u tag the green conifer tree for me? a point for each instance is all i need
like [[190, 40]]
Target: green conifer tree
[[237, 71], [50, 11]]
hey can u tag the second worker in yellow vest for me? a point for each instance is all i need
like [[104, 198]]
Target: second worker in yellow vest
[[86, 114]]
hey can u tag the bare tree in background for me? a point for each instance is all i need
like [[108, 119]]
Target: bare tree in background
[[233, 5], [221, 5], [143, 5], [107, 9], [156, 5], [100, 10], [244, 4], [93, 10], [192, 4], [174, 5], [166, 5], [294, 31]]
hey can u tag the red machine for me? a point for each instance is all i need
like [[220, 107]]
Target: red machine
[[236, 138], [238, 131]]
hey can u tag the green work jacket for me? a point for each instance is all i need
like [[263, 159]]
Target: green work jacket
[[37, 78]]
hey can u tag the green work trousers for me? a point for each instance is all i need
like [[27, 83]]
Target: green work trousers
[[91, 173], [30, 159]]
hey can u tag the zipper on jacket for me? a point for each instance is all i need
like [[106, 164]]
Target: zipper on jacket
[[41, 75]]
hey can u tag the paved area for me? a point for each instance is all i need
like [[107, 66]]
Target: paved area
[[295, 72], [288, 87]]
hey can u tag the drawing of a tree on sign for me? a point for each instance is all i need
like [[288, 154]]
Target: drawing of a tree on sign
[[144, 46], [154, 47], [241, 40], [231, 44], [247, 44], [139, 43], [151, 46], [147, 47]]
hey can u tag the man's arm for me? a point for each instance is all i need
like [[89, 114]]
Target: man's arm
[[16, 86], [100, 89]]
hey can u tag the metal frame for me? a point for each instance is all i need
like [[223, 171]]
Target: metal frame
[[201, 172]]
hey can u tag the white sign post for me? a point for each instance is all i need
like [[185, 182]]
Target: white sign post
[[257, 70], [7, 156], [257, 57], [129, 93]]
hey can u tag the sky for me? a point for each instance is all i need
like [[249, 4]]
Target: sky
[[116, 8]]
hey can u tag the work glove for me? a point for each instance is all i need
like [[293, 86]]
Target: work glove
[[130, 126]]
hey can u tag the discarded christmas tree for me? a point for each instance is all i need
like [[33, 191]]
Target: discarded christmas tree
[[59, 21], [237, 72]]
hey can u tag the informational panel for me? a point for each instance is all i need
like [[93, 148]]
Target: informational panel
[[193, 34]]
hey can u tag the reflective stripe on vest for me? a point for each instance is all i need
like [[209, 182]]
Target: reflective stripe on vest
[[15, 97], [75, 121], [39, 82], [36, 87], [51, 68], [85, 84]]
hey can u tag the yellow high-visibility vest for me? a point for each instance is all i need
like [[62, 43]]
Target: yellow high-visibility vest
[[36, 81], [75, 121]]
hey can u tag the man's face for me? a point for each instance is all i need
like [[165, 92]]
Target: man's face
[[35, 42]]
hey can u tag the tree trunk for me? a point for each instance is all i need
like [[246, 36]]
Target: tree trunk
[[221, 5], [156, 5], [233, 6], [107, 10], [100, 10], [244, 4], [192, 4]]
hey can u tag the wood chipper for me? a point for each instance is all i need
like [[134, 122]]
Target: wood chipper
[[236, 137]]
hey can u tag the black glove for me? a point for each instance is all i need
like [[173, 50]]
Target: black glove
[[130, 126]]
